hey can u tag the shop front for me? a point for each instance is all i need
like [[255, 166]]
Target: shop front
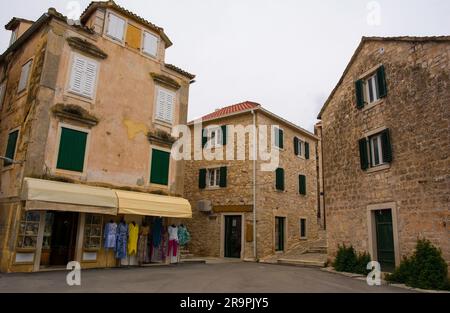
[[98, 227]]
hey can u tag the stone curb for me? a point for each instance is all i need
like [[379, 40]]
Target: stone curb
[[383, 282]]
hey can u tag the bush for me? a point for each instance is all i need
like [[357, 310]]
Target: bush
[[348, 261], [425, 269]]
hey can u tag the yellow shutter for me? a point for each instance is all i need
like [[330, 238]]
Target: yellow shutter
[[134, 37]]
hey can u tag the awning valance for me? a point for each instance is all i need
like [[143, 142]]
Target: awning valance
[[56, 196], [136, 203]]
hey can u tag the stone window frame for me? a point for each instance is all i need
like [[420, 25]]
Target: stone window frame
[[384, 166], [222, 233], [372, 71], [371, 229], [55, 169]]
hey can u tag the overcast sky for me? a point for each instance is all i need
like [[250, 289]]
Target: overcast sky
[[286, 54]]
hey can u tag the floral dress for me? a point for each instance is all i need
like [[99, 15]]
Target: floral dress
[[121, 241]]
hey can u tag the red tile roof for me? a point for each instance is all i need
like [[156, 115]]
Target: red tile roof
[[244, 106]]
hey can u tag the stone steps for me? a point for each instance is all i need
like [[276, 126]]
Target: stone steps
[[303, 262]]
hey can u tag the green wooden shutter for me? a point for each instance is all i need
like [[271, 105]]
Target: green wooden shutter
[[224, 134], [72, 149], [202, 179], [223, 177], [302, 184], [386, 146], [296, 142], [359, 86], [160, 167], [281, 138], [382, 85], [363, 153], [307, 150], [204, 137], [11, 147], [280, 179]]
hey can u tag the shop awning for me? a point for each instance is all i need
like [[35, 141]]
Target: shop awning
[[56, 196], [136, 203]]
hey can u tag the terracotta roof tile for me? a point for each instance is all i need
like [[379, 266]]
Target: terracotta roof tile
[[244, 106]]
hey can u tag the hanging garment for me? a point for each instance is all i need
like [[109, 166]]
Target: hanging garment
[[184, 237], [143, 256], [133, 236], [157, 229], [121, 241], [173, 233], [173, 240], [159, 252], [110, 235]]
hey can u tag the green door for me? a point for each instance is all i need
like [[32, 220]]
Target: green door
[[279, 233], [385, 239], [233, 236]]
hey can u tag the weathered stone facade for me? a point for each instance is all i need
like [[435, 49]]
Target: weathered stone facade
[[416, 184], [119, 118], [207, 229]]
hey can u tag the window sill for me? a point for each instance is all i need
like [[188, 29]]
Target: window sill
[[373, 104], [163, 123], [378, 168], [74, 95]]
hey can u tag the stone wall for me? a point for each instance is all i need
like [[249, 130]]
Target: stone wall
[[416, 110]]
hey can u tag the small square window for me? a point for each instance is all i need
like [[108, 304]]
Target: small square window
[[215, 137], [116, 27], [72, 149], [150, 45], [165, 104], [160, 167], [371, 89], [213, 177]]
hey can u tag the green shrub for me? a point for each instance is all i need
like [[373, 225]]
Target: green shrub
[[348, 261], [425, 269]]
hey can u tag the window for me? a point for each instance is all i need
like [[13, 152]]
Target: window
[[24, 76], [116, 27], [83, 76], [302, 185], [11, 147], [2, 93], [278, 136], [372, 88], [280, 223], [215, 137], [72, 149], [160, 167], [213, 177], [375, 150], [279, 177], [93, 232], [303, 228], [165, 105], [298, 147], [28, 230], [150, 45]]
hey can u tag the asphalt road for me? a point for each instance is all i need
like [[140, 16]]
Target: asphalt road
[[194, 278]]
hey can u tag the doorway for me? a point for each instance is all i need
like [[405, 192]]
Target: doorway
[[233, 236], [280, 223], [385, 239], [60, 235]]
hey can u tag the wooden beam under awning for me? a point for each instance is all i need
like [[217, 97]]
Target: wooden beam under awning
[[233, 208]]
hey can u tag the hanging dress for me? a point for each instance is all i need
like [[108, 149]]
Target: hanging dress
[[121, 241], [184, 237], [143, 245], [133, 236], [110, 235]]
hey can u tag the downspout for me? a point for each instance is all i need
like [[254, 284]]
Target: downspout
[[254, 185]]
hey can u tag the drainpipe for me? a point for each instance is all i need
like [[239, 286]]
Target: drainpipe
[[254, 185]]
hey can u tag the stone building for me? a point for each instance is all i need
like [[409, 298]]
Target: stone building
[[386, 149], [236, 201], [87, 111]]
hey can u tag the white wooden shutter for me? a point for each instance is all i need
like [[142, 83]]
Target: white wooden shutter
[[23, 82], [116, 27], [165, 105], [83, 77], [150, 44], [90, 79]]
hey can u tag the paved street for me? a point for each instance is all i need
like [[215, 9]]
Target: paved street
[[195, 278]]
